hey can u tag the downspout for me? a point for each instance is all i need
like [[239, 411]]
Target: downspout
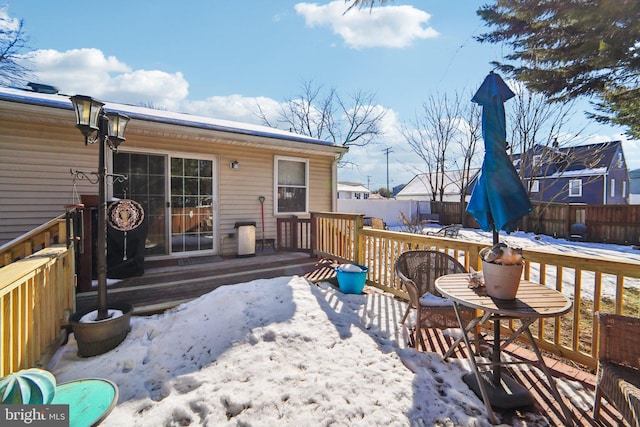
[[334, 181], [606, 181]]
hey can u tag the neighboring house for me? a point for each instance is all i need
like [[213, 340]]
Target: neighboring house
[[395, 190], [196, 177], [590, 174], [634, 187], [420, 187], [353, 190]]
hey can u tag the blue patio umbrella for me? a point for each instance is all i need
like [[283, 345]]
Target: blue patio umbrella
[[498, 200]]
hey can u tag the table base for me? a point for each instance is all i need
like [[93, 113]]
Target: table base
[[508, 394]]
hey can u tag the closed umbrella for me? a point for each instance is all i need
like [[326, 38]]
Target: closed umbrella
[[498, 200]]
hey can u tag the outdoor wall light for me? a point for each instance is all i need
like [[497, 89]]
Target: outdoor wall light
[[234, 164], [104, 129]]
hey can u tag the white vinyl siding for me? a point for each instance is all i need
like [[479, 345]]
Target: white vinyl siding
[[38, 148]]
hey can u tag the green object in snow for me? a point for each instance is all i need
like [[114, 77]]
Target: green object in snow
[[89, 400], [29, 386]]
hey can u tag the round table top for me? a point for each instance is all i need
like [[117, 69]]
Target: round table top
[[532, 299]]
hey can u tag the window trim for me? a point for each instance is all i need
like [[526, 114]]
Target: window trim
[[612, 187], [535, 186], [276, 161], [579, 192]]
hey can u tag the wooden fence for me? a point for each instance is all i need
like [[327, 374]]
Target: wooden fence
[[605, 223], [593, 283]]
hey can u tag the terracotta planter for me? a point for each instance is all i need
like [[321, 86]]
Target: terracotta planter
[[96, 338], [502, 281]]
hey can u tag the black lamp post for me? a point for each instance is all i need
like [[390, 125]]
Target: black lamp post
[[106, 129]]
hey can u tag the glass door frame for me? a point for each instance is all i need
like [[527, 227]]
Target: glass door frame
[[167, 190]]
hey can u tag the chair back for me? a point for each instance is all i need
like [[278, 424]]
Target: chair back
[[617, 339], [422, 268]]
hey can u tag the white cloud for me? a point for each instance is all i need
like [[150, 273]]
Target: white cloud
[[7, 23], [90, 72], [387, 26], [234, 107]]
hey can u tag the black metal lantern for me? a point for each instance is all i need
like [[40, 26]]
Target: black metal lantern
[[116, 128], [88, 112]]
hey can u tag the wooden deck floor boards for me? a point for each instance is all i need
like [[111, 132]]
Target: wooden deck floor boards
[[166, 284], [535, 381]]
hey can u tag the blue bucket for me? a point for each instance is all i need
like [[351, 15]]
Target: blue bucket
[[351, 282]]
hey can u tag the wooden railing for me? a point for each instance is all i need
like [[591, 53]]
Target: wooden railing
[[593, 283], [37, 295], [294, 234]]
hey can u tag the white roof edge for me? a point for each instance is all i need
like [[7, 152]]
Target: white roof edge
[[163, 116]]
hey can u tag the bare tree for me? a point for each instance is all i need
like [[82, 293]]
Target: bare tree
[[536, 128], [540, 143], [326, 115], [13, 43], [469, 143], [431, 137]]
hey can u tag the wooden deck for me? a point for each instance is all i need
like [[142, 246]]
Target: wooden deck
[[166, 284], [581, 381]]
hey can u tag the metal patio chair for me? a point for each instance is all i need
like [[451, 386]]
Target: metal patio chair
[[418, 271]]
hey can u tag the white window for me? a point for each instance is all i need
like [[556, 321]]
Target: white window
[[612, 185], [536, 159], [535, 186], [624, 188], [575, 188], [291, 185]]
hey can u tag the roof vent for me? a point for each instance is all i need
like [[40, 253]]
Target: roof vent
[[40, 88]]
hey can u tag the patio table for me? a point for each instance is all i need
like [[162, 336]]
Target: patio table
[[533, 301]]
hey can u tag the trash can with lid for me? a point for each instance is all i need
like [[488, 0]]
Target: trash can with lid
[[246, 238]]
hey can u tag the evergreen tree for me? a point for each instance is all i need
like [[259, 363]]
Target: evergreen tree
[[571, 48]]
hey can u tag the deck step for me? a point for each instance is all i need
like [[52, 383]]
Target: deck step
[[167, 286]]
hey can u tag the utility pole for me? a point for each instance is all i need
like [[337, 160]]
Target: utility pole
[[387, 151], [368, 182]]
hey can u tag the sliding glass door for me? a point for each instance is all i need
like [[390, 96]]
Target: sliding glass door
[[177, 194], [192, 214], [146, 184]]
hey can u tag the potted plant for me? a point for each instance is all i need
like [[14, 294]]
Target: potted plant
[[502, 269]]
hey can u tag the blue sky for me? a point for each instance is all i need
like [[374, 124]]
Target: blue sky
[[222, 58]]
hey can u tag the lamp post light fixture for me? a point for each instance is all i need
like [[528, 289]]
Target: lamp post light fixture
[[105, 129]]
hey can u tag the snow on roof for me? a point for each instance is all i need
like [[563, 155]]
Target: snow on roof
[[150, 114], [419, 184], [352, 187]]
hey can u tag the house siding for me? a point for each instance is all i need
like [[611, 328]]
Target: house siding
[[39, 145], [35, 182]]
